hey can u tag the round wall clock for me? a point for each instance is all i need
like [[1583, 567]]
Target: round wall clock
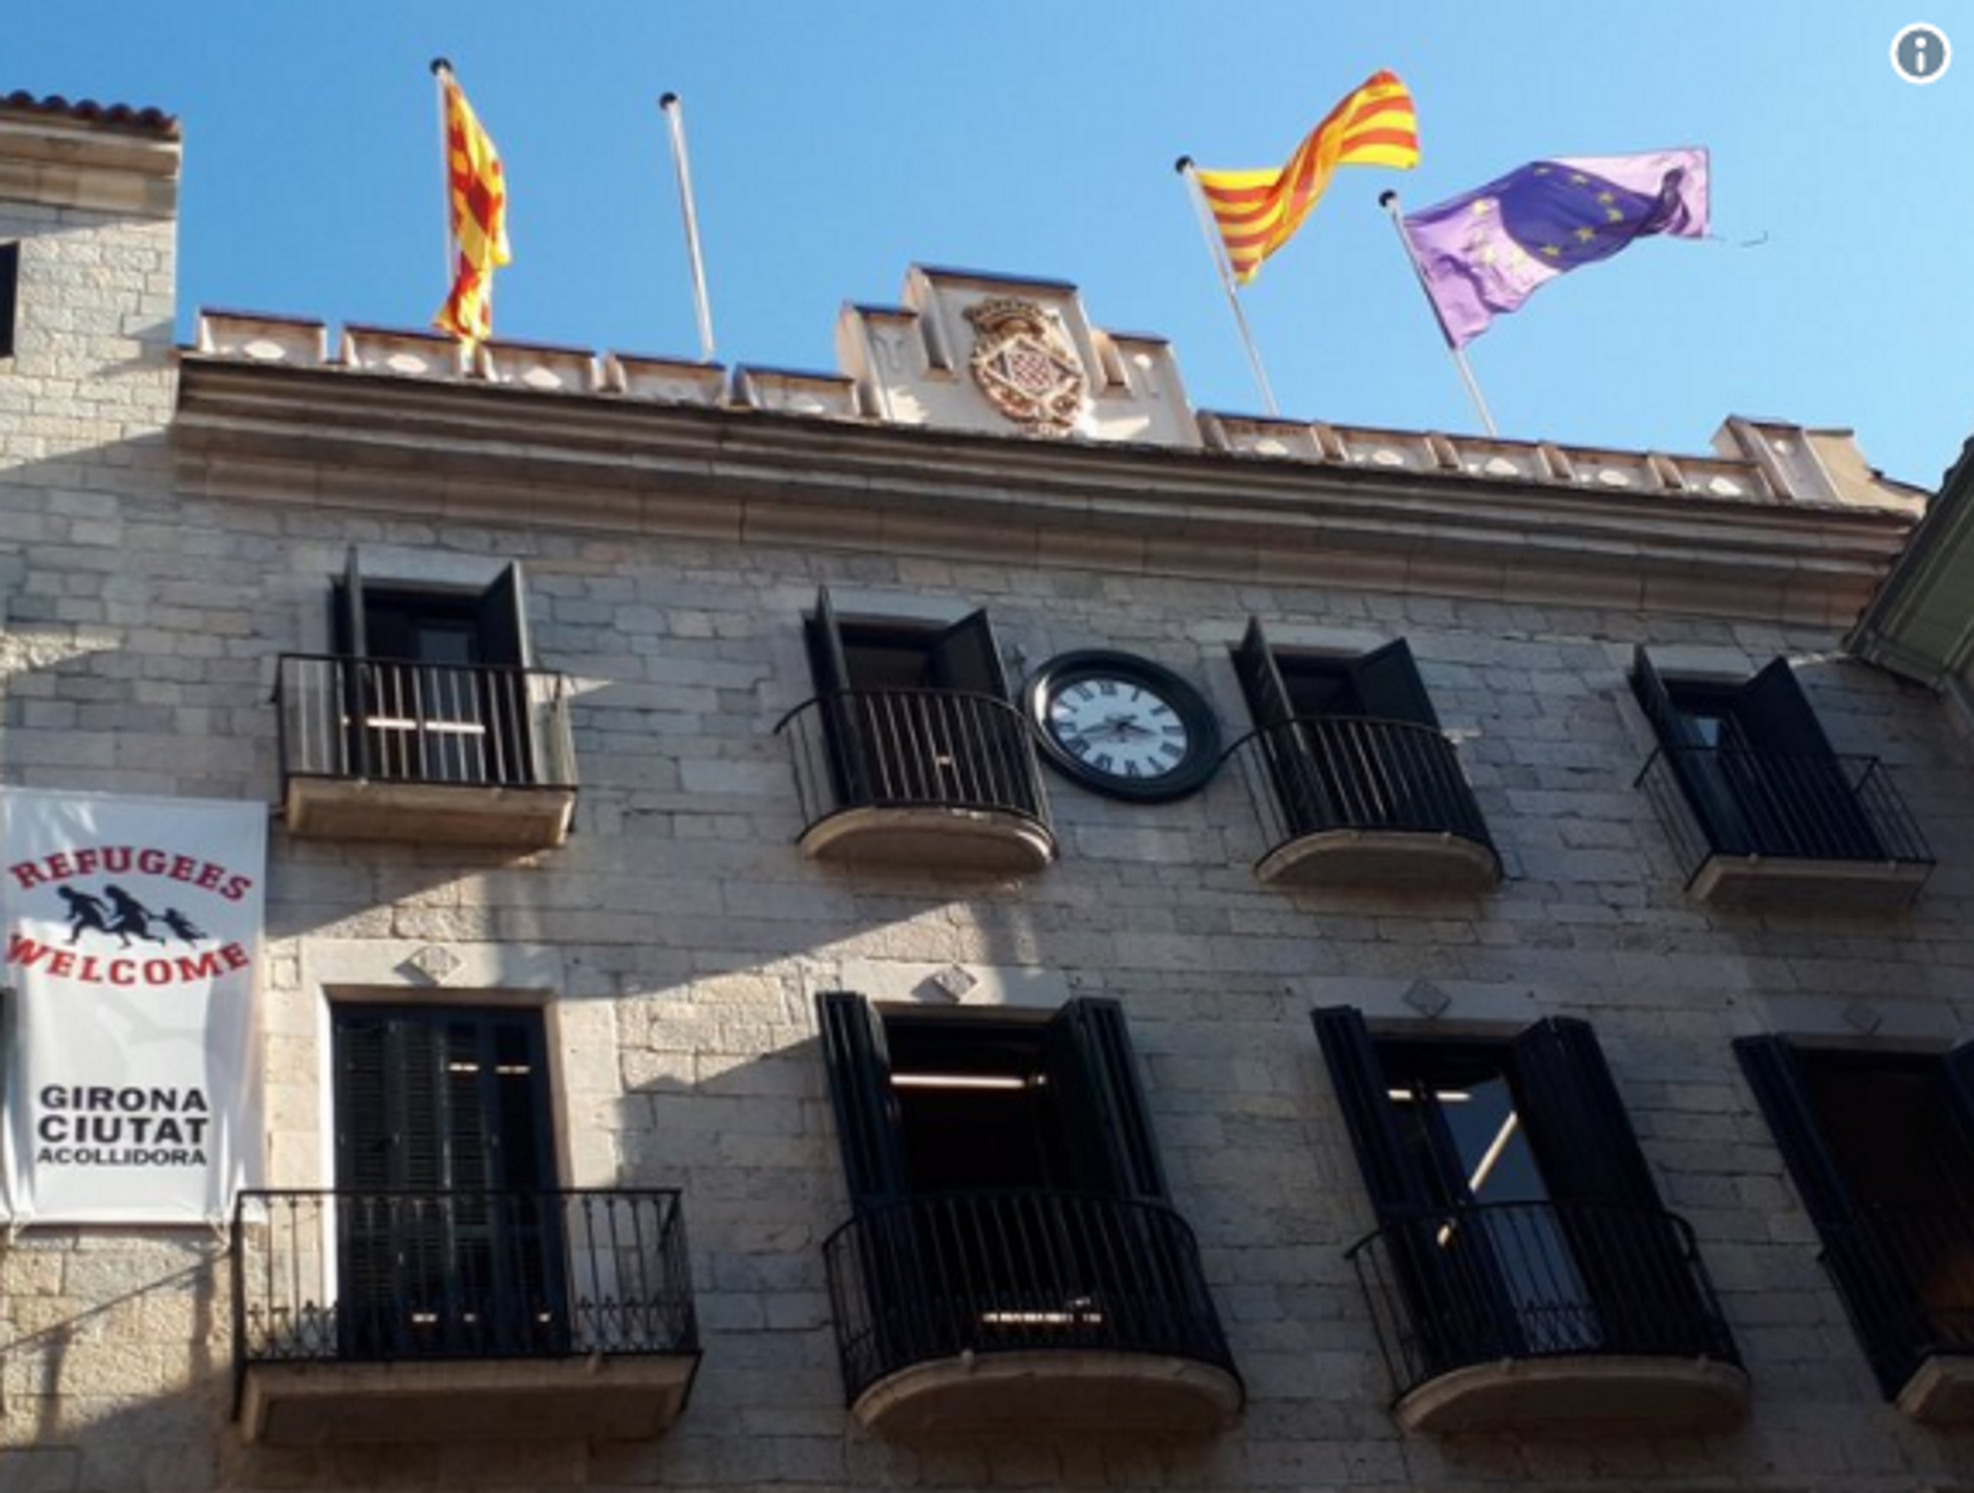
[[1124, 725]]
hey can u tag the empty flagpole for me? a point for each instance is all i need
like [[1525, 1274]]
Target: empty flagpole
[[674, 114], [1184, 166], [1388, 200], [441, 72]]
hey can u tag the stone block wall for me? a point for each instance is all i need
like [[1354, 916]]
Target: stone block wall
[[683, 938]]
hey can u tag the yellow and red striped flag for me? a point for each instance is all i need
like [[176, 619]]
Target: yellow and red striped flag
[[1259, 211], [478, 193]]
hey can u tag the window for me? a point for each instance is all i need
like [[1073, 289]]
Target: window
[[1353, 744], [1881, 1147], [436, 685], [1754, 767], [917, 714], [1517, 1217], [1007, 1196], [450, 1230], [10, 280]]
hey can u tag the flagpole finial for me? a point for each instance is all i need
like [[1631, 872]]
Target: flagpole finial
[[667, 100], [441, 65], [1183, 165], [1387, 199]]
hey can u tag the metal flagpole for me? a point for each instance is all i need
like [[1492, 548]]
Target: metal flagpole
[[1389, 202], [674, 116], [1184, 166], [441, 74]]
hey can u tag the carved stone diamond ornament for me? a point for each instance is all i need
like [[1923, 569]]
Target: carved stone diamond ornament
[[1025, 365]]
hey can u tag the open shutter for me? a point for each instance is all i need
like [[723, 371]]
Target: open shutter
[[1711, 791], [1389, 688], [10, 274], [1396, 1186], [1772, 1072], [346, 611], [1794, 789], [1668, 722], [860, 1094], [1576, 1121], [502, 698], [502, 615], [966, 657], [1095, 1077], [828, 664], [1775, 715], [1261, 681], [1628, 1257], [1288, 753], [845, 723]]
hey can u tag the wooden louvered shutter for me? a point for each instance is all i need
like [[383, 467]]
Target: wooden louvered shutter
[[858, 1063], [844, 717], [1795, 789], [1288, 753], [1389, 688], [1391, 1176], [1780, 1088], [1577, 1124], [966, 657], [1710, 789], [1094, 1073]]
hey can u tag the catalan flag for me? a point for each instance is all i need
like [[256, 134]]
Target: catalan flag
[[478, 193], [1259, 211]]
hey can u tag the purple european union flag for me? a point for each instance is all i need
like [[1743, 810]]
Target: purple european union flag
[[1483, 254]]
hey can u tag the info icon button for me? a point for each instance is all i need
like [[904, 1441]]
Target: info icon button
[[1921, 53]]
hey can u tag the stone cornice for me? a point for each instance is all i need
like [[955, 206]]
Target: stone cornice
[[106, 160], [492, 453]]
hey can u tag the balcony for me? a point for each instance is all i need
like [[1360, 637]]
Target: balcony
[[427, 753], [1545, 1317], [1766, 829], [1908, 1282], [921, 778], [1352, 801], [405, 1317], [1022, 1310]]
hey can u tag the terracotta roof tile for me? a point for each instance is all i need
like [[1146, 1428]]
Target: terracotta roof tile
[[120, 116]]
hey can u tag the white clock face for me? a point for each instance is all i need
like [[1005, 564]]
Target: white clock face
[[1118, 727]]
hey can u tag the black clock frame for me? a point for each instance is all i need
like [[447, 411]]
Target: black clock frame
[[1203, 747]]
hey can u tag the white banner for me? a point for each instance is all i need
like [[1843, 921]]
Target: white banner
[[133, 929]]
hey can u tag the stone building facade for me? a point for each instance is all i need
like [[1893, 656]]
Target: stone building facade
[[694, 857]]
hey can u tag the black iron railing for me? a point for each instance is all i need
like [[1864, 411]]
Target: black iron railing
[[918, 748], [1323, 773], [933, 1277], [1907, 1279], [1730, 802], [378, 1277], [1536, 1280], [368, 718]]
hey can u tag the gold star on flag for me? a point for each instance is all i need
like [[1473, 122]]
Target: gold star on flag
[[1613, 215], [1552, 250], [1586, 234]]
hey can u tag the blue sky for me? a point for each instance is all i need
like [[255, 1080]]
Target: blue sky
[[834, 145]]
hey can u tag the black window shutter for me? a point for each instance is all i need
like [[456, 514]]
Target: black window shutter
[[1261, 681], [966, 657], [1668, 722], [502, 615], [1391, 1176], [1776, 716], [829, 666], [1770, 1066], [1957, 1084], [858, 1062], [10, 279], [346, 611], [1577, 1124], [1287, 752], [1095, 1076], [1389, 688]]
